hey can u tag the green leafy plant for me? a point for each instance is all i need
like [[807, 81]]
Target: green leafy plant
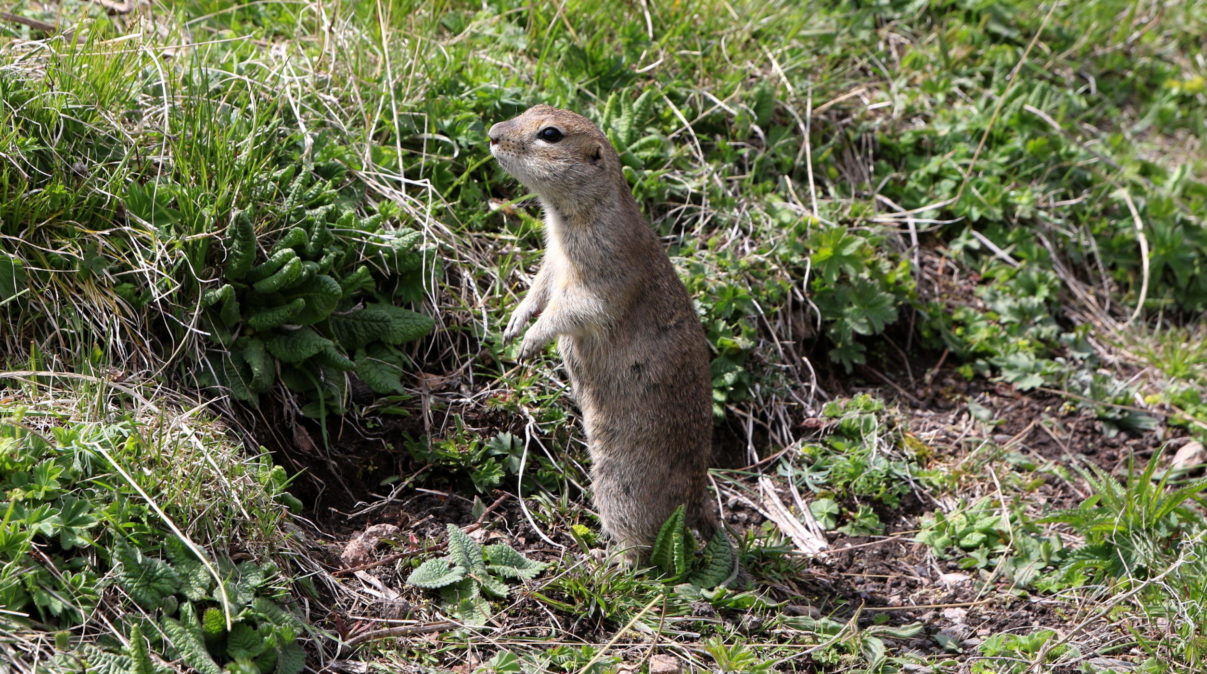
[[865, 456], [986, 537], [674, 554], [1018, 652], [736, 657], [1111, 401], [469, 572], [1131, 526], [77, 542], [261, 635], [846, 644], [486, 463], [313, 309], [972, 528], [630, 125], [856, 287]]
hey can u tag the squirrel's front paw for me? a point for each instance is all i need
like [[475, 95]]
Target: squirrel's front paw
[[530, 348], [516, 324]]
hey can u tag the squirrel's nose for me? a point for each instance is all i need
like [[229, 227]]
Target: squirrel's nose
[[496, 132]]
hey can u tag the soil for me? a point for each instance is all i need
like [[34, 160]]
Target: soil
[[881, 579]]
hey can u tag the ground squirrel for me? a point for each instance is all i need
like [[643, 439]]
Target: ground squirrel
[[627, 332]]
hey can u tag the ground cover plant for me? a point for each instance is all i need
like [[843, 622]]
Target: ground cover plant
[[951, 259]]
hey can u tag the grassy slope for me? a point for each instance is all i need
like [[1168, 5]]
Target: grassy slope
[[968, 184]]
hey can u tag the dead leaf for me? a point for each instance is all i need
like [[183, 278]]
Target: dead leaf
[[359, 550]]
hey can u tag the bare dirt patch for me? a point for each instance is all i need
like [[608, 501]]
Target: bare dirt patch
[[875, 580]]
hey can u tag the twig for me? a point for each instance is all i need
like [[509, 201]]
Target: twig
[[809, 152], [1131, 206], [912, 224], [34, 23], [932, 606], [768, 459], [895, 536], [401, 631], [885, 378], [804, 531], [529, 428], [489, 509], [997, 252]]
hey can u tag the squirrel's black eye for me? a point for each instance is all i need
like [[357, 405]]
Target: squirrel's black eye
[[550, 134]]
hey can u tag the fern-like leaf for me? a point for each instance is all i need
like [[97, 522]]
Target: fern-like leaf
[[639, 115], [278, 616], [189, 645], [240, 247], [91, 659], [333, 358], [288, 275], [277, 315], [296, 346], [493, 586], [717, 564], [436, 573], [401, 253], [320, 236], [379, 322], [321, 294], [224, 372], [292, 239], [465, 552], [140, 656], [270, 266], [464, 600], [380, 370], [263, 372], [671, 546], [361, 279], [504, 560], [213, 626]]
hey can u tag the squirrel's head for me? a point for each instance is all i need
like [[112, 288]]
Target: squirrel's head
[[561, 156]]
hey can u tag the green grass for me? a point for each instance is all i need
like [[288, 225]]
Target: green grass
[[924, 201]]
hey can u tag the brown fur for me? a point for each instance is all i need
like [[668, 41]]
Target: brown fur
[[627, 332]]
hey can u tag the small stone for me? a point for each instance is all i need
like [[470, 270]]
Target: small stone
[[1189, 455], [954, 578], [955, 615], [665, 664]]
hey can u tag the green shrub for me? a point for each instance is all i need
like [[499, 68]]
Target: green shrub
[[79, 536], [318, 304]]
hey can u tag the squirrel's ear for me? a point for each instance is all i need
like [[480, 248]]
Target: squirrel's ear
[[597, 154]]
